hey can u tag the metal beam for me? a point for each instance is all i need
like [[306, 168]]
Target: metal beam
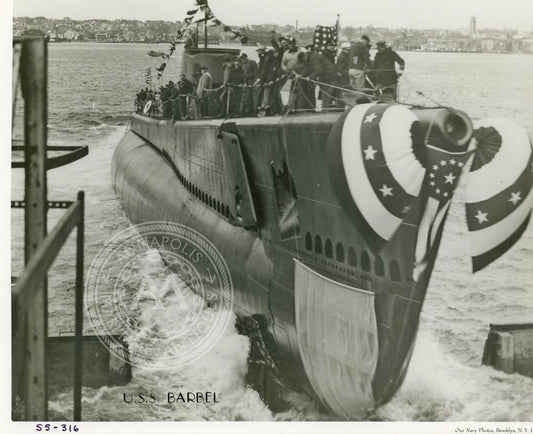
[[76, 153], [78, 346], [26, 287], [17, 50], [34, 91]]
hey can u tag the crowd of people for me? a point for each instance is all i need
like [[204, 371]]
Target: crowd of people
[[252, 88]]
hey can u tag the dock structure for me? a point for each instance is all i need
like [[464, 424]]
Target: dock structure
[[509, 348], [30, 290]]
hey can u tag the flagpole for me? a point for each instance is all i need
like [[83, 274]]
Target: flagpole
[[338, 27], [205, 28], [197, 35]]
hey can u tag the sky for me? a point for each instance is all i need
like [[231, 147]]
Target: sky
[[421, 14]]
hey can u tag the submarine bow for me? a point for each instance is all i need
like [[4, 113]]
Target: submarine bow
[[331, 264]]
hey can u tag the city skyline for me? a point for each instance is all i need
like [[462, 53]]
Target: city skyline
[[420, 14]]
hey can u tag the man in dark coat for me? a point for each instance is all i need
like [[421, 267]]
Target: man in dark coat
[[258, 90], [250, 73], [281, 45], [165, 100], [330, 52], [269, 79], [261, 54], [183, 88], [231, 96], [174, 93], [343, 65], [385, 73], [360, 54], [319, 68], [138, 101]]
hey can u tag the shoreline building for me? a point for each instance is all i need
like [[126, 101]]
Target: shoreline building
[[472, 26]]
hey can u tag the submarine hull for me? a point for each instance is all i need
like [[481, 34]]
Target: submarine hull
[[338, 321]]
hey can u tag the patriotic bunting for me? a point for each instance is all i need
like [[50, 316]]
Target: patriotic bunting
[[161, 69], [382, 171], [388, 164], [444, 169], [499, 197], [148, 76], [324, 35], [204, 14]]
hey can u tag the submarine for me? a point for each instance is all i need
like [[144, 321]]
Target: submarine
[[330, 223]]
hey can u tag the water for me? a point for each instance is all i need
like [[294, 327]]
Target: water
[[91, 92]]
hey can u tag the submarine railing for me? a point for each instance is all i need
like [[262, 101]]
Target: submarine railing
[[29, 294]]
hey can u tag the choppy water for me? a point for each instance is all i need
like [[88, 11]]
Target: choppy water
[[91, 92]]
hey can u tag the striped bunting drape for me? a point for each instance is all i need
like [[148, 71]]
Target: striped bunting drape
[[499, 197]]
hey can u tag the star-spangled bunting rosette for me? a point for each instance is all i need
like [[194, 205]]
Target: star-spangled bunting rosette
[[499, 189], [444, 169], [383, 173], [444, 173], [324, 35]]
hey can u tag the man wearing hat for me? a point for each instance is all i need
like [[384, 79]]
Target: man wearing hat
[[185, 86], [290, 63], [360, 61], [290, 57], [343, 64], [231, 95], [385, 73], [249, 69], [330, 52], [280, 45], [269, 98], [261, 54], [165, 100], [283, 45], [249, 97], [205, 83], [185, 89]]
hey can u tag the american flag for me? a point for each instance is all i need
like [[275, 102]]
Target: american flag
[[148, 76], [498, 189], [324, 35]]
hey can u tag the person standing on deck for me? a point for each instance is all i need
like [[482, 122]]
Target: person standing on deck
[[271, 84], [343, 65], [205, 82], [289, 63], [174, 101], [317, 67], [165, 100], [385, 70], [250, 73], [231, 96], [281, 45], [258, 90], [360, 55], [330, 52]]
